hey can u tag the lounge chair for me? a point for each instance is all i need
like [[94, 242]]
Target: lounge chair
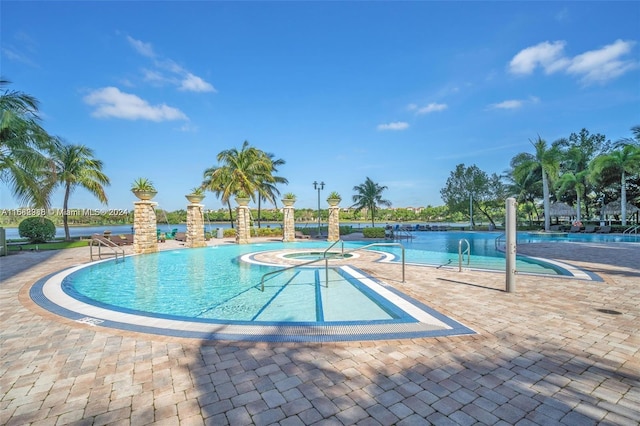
[[604, 229], [589, 229], [123, 239], [574, 229], [554, 228], [299, 234], [180, 236]]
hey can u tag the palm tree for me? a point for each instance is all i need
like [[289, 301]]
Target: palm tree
[[369, 196], [240, 171], [625, 160], [575, 176], [526, 186], [569, 180], [76, 166], [23, 144], [545, 161], [267, 189]]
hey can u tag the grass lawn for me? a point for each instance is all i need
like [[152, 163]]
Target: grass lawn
[[55, 245]]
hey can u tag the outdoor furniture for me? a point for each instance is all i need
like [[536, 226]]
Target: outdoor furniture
[[123, 239], [604, 229], [299, 234]]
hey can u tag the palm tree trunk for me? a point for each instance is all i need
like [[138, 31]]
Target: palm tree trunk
[[623, 198], [545, 201], [65, 219], [230, 213], [259, 198]]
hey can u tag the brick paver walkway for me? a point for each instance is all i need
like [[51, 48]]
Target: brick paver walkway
[[542, 355]]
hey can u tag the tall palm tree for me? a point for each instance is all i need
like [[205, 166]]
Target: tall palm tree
[[240, 171], [23, 144], [575, 181], [575, 174], [267, 189], [625, 160], [546, 161], [369, 196], [526, 186], [75, 166]]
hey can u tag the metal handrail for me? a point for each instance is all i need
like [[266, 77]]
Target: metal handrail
[[324, 253], [106, 243], [461, 253], [631, 230], [498, 239], [326, 260]]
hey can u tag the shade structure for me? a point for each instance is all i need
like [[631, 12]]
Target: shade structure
[[561, 209], [614, 208]]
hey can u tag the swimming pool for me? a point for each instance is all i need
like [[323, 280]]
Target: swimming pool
[[214, 283], [440, 248], [214, 293]]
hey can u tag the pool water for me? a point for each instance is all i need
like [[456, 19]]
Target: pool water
[[217, 292], [441, 249], [211, 283]]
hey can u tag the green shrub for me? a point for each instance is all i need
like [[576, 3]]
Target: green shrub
[[346, 229], [373, 232], [37, 229]]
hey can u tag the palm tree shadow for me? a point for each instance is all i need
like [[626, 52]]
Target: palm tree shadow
[[18, 262]]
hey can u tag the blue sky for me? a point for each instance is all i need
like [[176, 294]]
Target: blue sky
[[400, 92]]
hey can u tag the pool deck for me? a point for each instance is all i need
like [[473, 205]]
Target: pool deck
[[542, 355]]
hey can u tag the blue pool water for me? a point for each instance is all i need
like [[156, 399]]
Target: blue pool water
[[441, 248], [211, 283]]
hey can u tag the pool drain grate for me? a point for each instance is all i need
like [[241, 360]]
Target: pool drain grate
[[609, 311]]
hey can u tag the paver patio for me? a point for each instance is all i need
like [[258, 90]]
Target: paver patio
[[541, 355]]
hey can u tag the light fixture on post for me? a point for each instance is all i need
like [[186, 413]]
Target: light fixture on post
[[319, 187]]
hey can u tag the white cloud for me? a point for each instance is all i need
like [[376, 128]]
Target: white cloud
[[603, 64], [145, 49], [193, 83], [598, 65], [509, 104], [111, 102], [548, 55], [432, 107], [167, 71], [396, 125]]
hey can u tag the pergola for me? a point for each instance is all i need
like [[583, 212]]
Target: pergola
[[614, 208], [561, 210]]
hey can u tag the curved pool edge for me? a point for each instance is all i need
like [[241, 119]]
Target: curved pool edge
[[47, 293]]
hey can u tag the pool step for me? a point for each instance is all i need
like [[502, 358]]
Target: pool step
[[297, 298]]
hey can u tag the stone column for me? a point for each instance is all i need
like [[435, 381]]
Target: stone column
[[334, 224], [145, 237], [243, 221], [195, 226], [289, 227]]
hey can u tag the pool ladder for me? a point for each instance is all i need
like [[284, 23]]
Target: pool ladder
[[462, 253], [326, 261], [101, 241], [632, 230]]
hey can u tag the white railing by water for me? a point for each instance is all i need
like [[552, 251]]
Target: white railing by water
[[631, 230], [100, 241], [461, 253]]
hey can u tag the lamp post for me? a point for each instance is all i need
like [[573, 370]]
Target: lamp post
[[318, 186], [601, 200]]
